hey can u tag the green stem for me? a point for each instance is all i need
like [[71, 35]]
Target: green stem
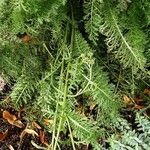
[[71, 136], [66, 85], [54, 130], [63, 106], [60, 87]]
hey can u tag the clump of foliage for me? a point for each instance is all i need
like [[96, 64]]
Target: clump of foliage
[[132, 139], [60, 52]]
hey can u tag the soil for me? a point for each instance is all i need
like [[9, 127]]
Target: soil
[[11, 136]]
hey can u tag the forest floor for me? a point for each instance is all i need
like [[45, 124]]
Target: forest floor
[[16, 133]]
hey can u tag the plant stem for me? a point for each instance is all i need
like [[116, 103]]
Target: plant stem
[[71, 136], [63, 106]]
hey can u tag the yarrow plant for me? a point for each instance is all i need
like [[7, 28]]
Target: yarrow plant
[[62, 53]]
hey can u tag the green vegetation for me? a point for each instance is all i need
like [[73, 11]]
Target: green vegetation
[[60, 55]]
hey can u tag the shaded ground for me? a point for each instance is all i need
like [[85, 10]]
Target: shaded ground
[[12, 136], [18, 134]]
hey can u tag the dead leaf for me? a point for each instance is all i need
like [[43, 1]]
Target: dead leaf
[[3, 135], [12, 119], [138, 106], [20, 111], [10, 147], [26, 39], [80, 109], [28, 131], [42, 137], [9, 117], [48, 122], [34, 124], [92, 106], [18, 124], [127, 100], [37, 146], [137, 100], [129, 107], [147, 92]]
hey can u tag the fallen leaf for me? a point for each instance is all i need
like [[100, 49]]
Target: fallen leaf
[[138, 106], [80, 109], [3, 135], [47, 122], [37, 146], [137, 100], [147, 92], [82, 115], [130, 107], [9, 117], [10, 147], [31, 131], [12, 119], [42, 137], [127, 100], [20, 111], [26, 39], [92, 106], [34, 124], [18, 124], [28, 131]]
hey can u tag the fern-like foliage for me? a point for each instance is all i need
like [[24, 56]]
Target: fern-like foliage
[[146, 7], [128, 46], [84, 129], [23, 91], [57, 69], [21, 19], [132, 139], [97, 80], [70, 76], [93, 18]]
